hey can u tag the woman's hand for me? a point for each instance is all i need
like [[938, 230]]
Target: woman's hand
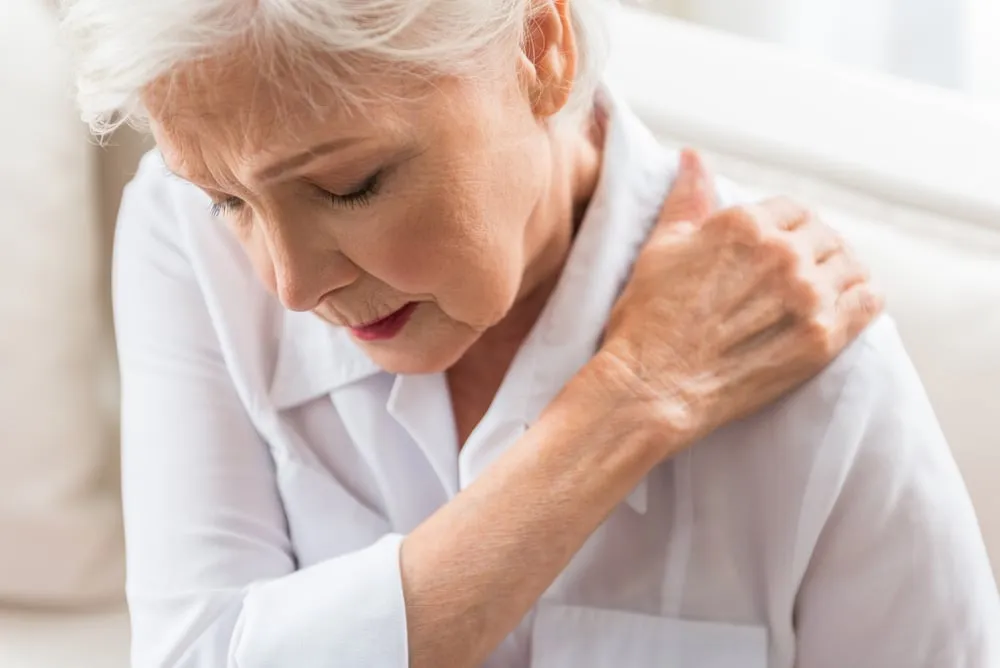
[[727, 311]]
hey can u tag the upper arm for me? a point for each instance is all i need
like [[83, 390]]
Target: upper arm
[[202, 512], [212, 576], [898, 575]]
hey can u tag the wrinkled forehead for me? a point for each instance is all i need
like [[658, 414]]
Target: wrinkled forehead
[[241, 106], [240, 93], [216, 122]]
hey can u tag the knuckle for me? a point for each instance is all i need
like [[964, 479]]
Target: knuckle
[[865, 304], [782, 255], [740, 223], [785, 213], [810, 214], [853, 278]]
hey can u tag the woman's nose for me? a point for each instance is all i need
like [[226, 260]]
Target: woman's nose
[[307, 270]]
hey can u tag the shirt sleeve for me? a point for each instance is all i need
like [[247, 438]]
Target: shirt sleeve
[[899, 574], [212, 578]]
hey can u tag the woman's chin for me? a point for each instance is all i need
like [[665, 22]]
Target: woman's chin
[[412, 354]]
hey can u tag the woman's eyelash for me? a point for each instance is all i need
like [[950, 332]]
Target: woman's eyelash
[[360, 197], [227, 205]]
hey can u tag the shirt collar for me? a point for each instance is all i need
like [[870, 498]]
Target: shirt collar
[[314, 359]]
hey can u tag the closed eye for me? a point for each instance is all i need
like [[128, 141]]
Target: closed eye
[[359, 197], [226, 205]]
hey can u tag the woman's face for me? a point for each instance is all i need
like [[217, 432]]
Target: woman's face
[[430, 201]]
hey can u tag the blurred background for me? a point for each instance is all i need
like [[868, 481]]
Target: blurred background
[[950, 43], [883, 113]]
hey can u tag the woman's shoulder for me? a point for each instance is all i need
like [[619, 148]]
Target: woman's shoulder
[[831, 421], [870, 387], [167, 222], [804, 447], [854, 441], [172, 256]]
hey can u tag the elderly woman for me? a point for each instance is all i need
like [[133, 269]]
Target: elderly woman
[[389, 401]]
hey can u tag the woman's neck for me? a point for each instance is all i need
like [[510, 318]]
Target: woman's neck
[[576, 166]]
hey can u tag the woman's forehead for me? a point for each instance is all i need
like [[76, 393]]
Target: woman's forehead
[[233, 92], [214, 123]]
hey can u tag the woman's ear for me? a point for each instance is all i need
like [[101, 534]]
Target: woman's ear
[[549, 56]]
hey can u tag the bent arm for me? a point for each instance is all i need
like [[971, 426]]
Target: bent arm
[[473, 569], [212, 577]]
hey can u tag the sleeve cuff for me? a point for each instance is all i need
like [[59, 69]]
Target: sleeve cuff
[[348, 611]]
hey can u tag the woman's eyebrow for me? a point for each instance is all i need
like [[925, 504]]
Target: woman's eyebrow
[[275, 170]]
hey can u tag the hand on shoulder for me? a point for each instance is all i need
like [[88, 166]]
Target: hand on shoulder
[[728, 310]]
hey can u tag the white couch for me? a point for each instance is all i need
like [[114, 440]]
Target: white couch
[[906, 171]]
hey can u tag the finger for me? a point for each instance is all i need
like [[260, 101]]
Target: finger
[[820, 243], [817, 241], [692, 197], [856, 308], [783, 213], [843, 271], [828, 250]]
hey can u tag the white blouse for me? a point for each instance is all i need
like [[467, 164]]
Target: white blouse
[[271, 470]]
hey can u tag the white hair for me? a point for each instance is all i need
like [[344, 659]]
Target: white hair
[[122, 46]]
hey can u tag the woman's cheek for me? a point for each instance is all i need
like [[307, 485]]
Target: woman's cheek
[[410, 263], [420, 244]]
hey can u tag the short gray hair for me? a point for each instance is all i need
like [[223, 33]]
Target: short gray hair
[[122, 46]]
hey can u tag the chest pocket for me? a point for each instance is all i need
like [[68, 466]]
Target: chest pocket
[[577, 637]]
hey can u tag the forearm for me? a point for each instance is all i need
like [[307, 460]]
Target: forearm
[[474, 569]]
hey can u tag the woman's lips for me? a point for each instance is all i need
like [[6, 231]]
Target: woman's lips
[[387, 327]]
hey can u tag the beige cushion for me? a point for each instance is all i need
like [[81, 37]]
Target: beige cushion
[[59, 512], [64, 639]]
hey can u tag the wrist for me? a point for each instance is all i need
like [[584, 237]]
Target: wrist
[[608, 391]]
